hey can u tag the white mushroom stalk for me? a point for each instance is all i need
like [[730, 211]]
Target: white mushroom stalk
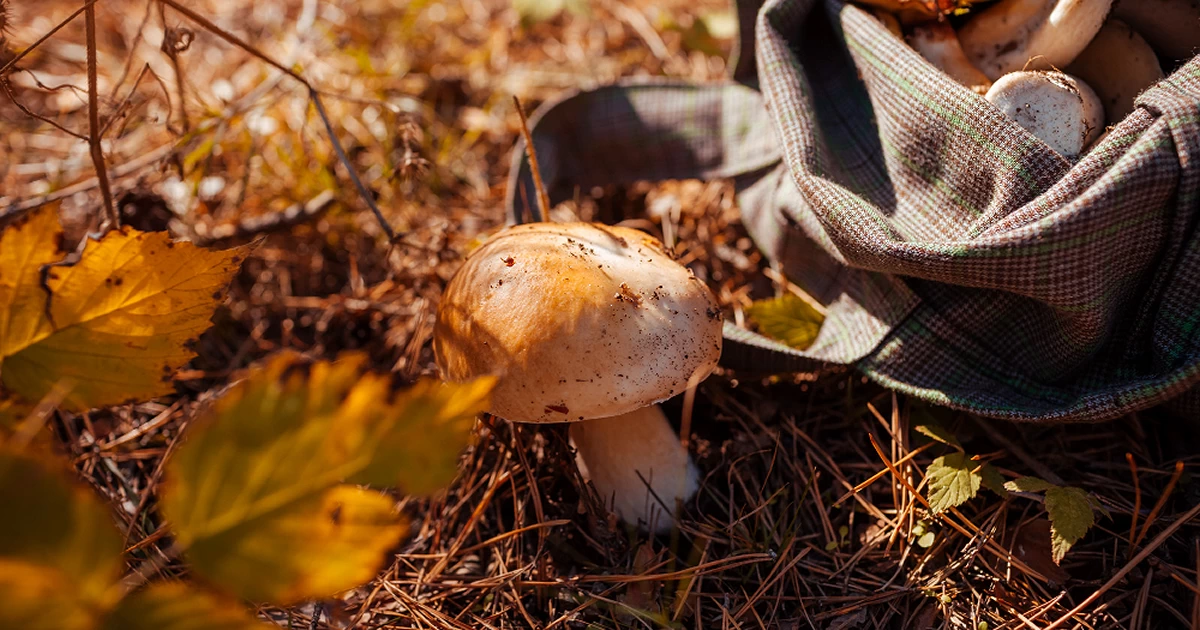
[[938, 43], [1118, 65], [1059, 109], [636, 465], [1014, 35], [582, 322]]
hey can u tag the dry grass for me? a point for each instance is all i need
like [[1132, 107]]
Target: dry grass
[[206, 136]]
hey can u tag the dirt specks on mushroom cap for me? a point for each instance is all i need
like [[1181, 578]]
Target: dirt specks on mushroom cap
[[592, 319]]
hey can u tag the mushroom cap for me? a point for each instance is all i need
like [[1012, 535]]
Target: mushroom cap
[[1058, 108], [579, 321]]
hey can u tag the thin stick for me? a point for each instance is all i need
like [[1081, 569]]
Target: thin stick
[[1137, 500], [1161, 538], [1158, 505], [114, 220], [21, 55], [313, 94], [542, 212]]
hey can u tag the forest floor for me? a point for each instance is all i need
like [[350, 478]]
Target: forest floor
[[204, 135]]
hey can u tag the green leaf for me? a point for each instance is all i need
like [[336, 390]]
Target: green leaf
[[256, 494], [1029, 484], [57, 541], [178, 606], [534, 11], [788, 319], [993, 480], [938, 433], [952, 481], [926, 540], [1071, 516]]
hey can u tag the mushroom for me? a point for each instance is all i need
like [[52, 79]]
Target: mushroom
[[937, 42], [1171, 26], [1014, 35], [590, 324], [889, 21], [1118, 65], [1059, 109]]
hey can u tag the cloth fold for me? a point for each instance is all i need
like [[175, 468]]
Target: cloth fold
[[961, 260]]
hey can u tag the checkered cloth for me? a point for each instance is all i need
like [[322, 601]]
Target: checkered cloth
[[961, 259]]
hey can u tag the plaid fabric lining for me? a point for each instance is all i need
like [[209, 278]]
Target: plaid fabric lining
[[962, 260]]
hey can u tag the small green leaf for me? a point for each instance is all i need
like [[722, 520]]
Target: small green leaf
[[788, 319], [938, 433], [952, 481], [993, 480], [926, 540], [1029, 484], [1071, 516]]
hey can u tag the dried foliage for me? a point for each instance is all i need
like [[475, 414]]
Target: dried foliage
[[811, 510]]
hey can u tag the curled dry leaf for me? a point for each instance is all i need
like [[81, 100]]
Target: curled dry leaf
[[116, 324]]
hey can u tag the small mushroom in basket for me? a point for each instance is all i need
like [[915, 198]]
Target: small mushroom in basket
[[1171, 26], [1059, 109], [589, 324], [1014, 35], [1119, 65]]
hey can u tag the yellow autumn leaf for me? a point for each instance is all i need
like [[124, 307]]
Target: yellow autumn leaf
[[257, 495], [116, 324], [58, 546], [178, 606], [788, 319]]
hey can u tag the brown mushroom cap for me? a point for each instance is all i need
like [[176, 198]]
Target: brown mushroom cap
[[580, 321]]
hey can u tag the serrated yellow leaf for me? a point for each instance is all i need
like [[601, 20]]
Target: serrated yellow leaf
[[54, 533], [255, 494], [1071, 516], [118, 321], [952, 481], [315, 547], [178, 606], [430, 413], [788, 319]]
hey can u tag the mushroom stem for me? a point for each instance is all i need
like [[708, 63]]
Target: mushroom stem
[[1014, 35], [937, 43], [637, 465]]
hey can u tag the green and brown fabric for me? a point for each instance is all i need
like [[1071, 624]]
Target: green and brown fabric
[[962, 260]]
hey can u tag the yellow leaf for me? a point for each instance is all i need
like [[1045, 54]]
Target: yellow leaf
[[430, 413], [255, 494], [37, 597], [178, 606], [116, 324], [34, 240], [56, 538], [316, 547], [788, 319]]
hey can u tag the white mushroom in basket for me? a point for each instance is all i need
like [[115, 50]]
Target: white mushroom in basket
[[1118, 65], [1171, 26], [1013, 35], [1059, 109], [589, 324]]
